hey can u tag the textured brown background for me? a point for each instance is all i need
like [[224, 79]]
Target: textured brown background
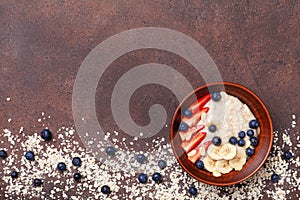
[[43, 44]]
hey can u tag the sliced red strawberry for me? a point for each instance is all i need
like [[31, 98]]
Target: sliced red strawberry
[[192, 130], [191, 144], [195, 118], [194, 157], [199, 104]]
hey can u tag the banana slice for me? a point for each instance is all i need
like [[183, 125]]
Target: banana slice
[[209, 164], [257, 131], [216, 173], [228, 151], [214, 152], [239, 160], [247, 143], [223, 166]]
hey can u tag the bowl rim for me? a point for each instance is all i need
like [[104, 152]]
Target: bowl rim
[[172, 133]]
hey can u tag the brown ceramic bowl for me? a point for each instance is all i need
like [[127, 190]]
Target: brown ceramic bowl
[[261, 152]]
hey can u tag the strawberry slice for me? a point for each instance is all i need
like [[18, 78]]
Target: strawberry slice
[[188, 134], [199, 104], [196, 155], [195, 118], [189, 145]]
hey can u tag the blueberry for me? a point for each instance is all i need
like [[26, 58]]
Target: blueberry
[[61, 166], [110, 151], [193, 191], [143, 178], [77, 176], [156, 177], [105, 189], [14, 174], [141, 158], [29, 155], [241, 142], [254, 124], [216, 141], [162, 164], [287, 155], [3, 154], [275, 178], [46, 134], [249, 151], [254, 141], [187, 113], [250, 133], [242, 134], [76, 161], [199, 164], [212, 128], [216, 96], [37, 182], [233, 140], [183, 126]]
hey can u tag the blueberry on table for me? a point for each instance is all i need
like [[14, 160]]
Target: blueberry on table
[[61, 166], [199, 164], [249, 151], [105, 189], [110, 151], [183, 126], [242, 134], [46, 134], [287, 155], [162, 164], [3, 154], [37, 182], [143, 178], [76, 161], [156, 177], [29, 155], [77, 176], [193, 191], [14, 174], [216, 96], [250, 133], [212, 128], [254, 124], [141, 158], [187, 113], [233, 140], [275, 178], [241, 142], [216, 141], [254, 141]]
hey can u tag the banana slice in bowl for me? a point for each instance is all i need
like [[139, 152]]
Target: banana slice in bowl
[[239, 160], [228, 151], [223, 166]]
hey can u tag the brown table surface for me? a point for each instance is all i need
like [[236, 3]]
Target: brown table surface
[[42, 46]]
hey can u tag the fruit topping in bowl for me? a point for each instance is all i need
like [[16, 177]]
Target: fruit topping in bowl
[[219, 133]]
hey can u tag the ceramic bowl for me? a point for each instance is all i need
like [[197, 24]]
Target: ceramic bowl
[[262, 151]]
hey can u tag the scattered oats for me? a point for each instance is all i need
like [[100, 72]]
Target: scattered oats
[[39, 120], [8, 99], [9, 120]]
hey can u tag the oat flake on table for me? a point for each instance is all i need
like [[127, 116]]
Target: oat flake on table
[[121, 173]]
